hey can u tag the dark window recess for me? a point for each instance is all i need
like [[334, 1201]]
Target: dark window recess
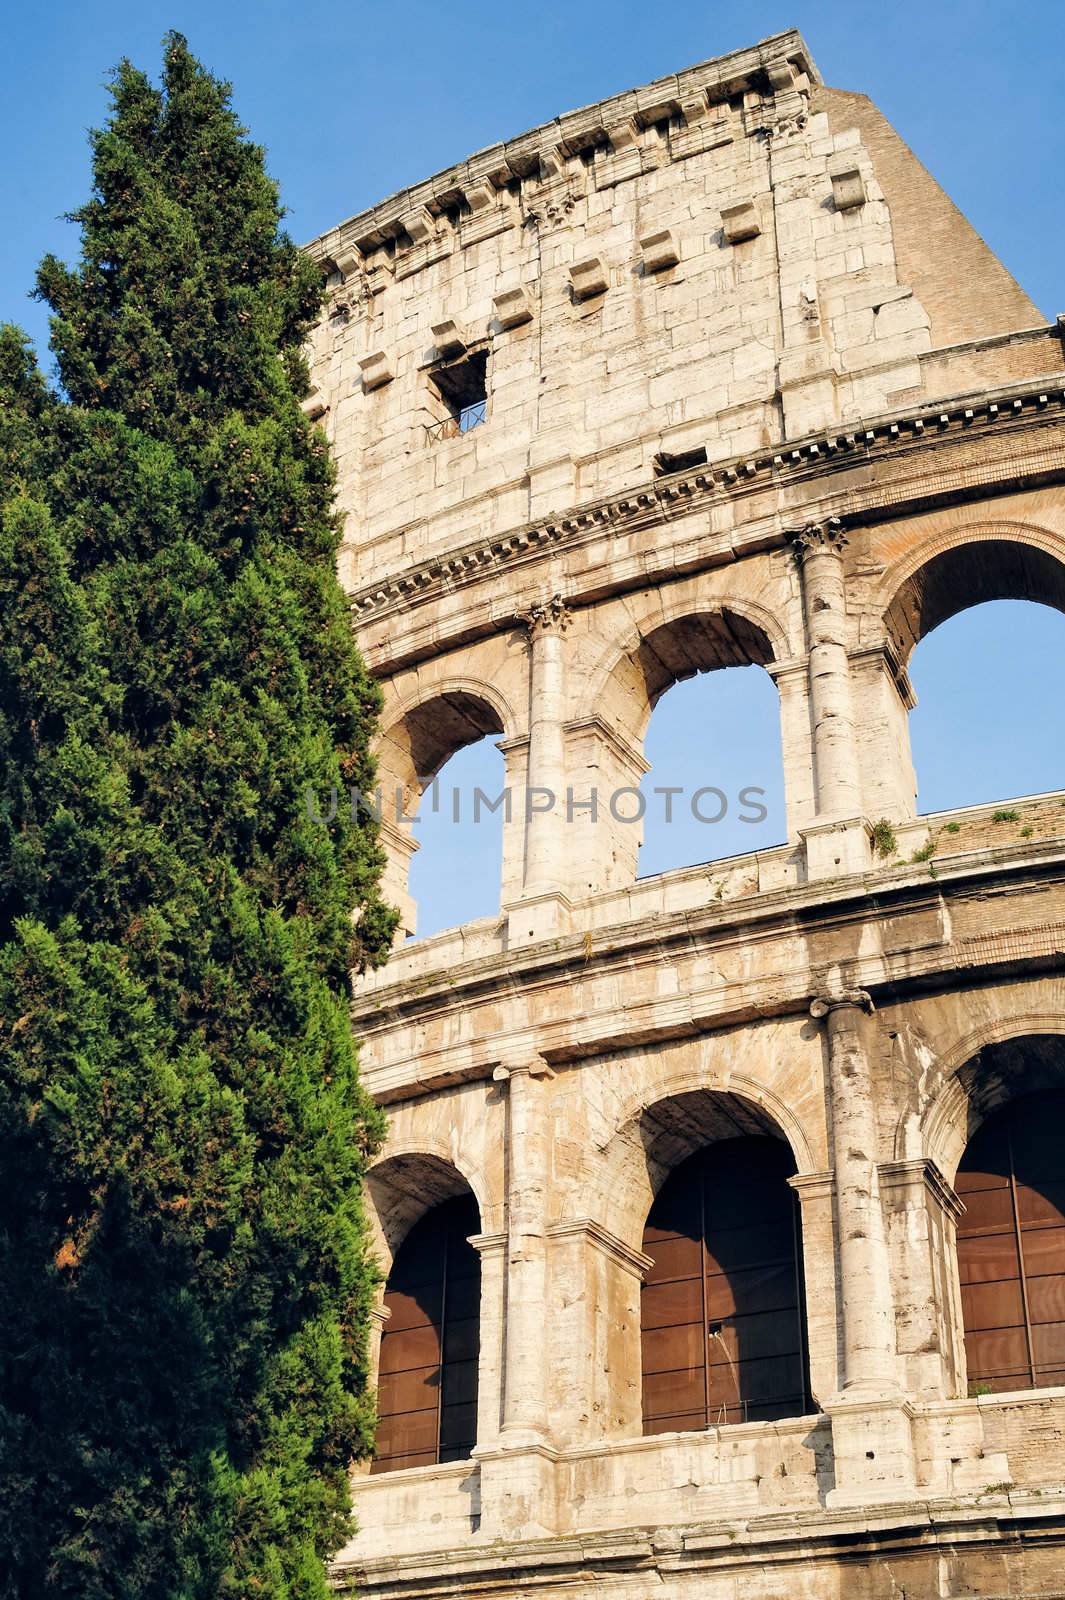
[[427, 1378], [1011, 1247], [684, 461], [462, 385], [722, 1315]]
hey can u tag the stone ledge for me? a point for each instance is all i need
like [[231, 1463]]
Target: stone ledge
[[919, 1524], [540, 149], [909, 964]]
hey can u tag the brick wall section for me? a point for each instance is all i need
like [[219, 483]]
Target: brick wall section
[[976, 297]]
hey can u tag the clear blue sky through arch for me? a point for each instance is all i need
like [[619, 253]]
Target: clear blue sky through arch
[[354, 102]]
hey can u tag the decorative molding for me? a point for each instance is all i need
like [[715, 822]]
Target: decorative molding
[[901, 1175], [818, 538], [841, 1000], [634, 1261], [545, 618]]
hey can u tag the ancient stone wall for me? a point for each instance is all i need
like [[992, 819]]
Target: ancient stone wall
[[737, 409]]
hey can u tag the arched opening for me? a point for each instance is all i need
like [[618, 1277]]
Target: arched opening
[[716, 781], [427, 1371], [722, 1310], [456, 874], [988, 721], [451, 826], [715, 739], [1011, 1246]]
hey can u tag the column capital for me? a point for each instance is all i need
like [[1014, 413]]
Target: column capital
[[824, 1004], [551, 616], [814, 538], [533, 1066]]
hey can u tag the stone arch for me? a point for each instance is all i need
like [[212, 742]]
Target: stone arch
[[666, 1122], [986, 1069], [420, 734], [673, 641], [424, 730], [425, 1214], [965, 567], [664, 1143], [407, 1182]]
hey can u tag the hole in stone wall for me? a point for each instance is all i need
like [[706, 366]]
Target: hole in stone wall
[[462, 385]]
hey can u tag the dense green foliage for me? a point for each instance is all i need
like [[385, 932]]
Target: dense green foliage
[[184, 1275]]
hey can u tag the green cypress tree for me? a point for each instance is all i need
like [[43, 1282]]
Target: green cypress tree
[[184, 1270]]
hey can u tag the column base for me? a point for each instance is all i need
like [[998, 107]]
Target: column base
[[519, 1493], [872, 1445], [836, 847], [537, 916]]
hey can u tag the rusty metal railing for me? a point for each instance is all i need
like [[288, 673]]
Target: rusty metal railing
[[451, 427]]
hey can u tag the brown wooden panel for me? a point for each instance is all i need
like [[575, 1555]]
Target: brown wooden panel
[[414, 1389], [411, 1347], [408, 1433], [1046, 1298], [993, 1305], [988, 1211], [987, 1258], [1011, 1245], [1041, 1203], [673, 1348], [671, 1304], [673, 1258], [721, 1313], [427, 1384], [668, 1392]]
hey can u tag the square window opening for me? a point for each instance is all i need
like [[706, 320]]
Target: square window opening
[[462, 385]]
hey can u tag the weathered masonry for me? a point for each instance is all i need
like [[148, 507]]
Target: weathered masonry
[[723, 1211]]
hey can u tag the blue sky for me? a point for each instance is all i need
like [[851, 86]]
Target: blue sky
[[355, 101]]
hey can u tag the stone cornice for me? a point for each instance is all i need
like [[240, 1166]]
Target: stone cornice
[[922, 1169], [891, 973], [469, 187], [1017, 410], [632, 1261]]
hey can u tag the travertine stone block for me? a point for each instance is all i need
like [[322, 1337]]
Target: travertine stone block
[[659, 250], [511, 308], [848, 185], [588, 278], [740, 221], [449, 337], [376, 370]]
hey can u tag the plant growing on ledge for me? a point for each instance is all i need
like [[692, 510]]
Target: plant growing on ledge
[[184, 1272], [884, 841]]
